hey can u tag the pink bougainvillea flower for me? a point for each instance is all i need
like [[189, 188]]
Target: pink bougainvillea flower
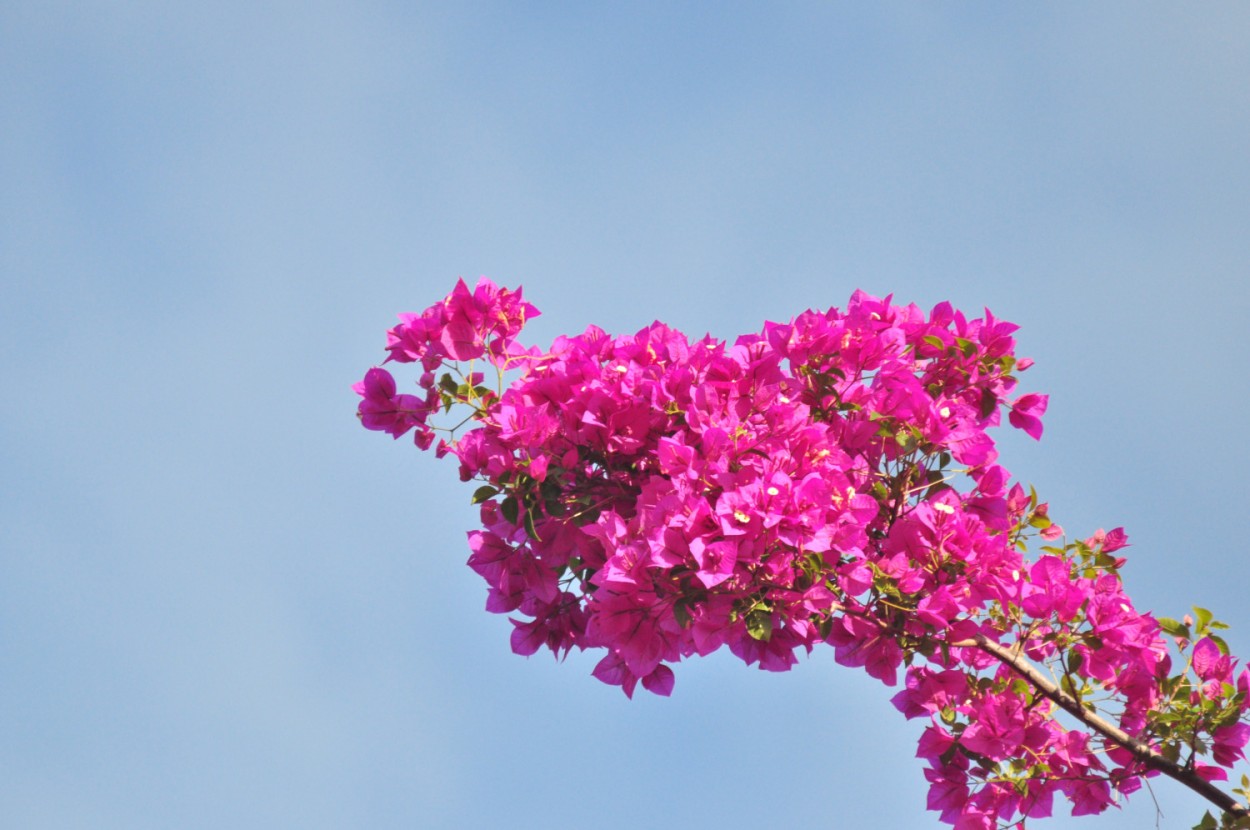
[[1228, 745], [1026, 413], [383, 410]]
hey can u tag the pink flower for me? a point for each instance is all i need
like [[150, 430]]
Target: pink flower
[[1228, 743], [1210, 664], [1051, 590], [1026, 414], [660, 681], [1089, 797], [383, 410], [998, 730], [859, 643], [1115, 539]]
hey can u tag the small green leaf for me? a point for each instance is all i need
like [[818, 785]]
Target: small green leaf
[[935, 341], [1173, 627], [1202, 617], [681, 614], [510, 509], [1208, 822], [448, 384], [481, 494], [529, 525], [760, 625]]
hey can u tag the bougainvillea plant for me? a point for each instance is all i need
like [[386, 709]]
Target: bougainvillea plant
[[830, 480]]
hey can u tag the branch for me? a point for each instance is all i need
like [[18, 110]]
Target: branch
[[1148, 756]]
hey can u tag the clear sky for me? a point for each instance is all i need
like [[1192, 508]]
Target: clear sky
[[225, 605]]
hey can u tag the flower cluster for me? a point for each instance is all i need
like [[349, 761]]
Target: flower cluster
[[827, 480], [463, 327]]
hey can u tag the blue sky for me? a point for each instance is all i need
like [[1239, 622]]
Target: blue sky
[[222, 604]]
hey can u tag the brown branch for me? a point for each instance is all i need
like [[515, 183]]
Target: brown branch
[[1151, 758]]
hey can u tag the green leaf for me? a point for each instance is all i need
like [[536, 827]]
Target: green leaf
[[510, 509], [448, 384], [966, 346], [1174, 628], [1202, 617], [682, 614], [529, 525], [1208, 822], [935, 341], [760, 625], [482, 494]]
